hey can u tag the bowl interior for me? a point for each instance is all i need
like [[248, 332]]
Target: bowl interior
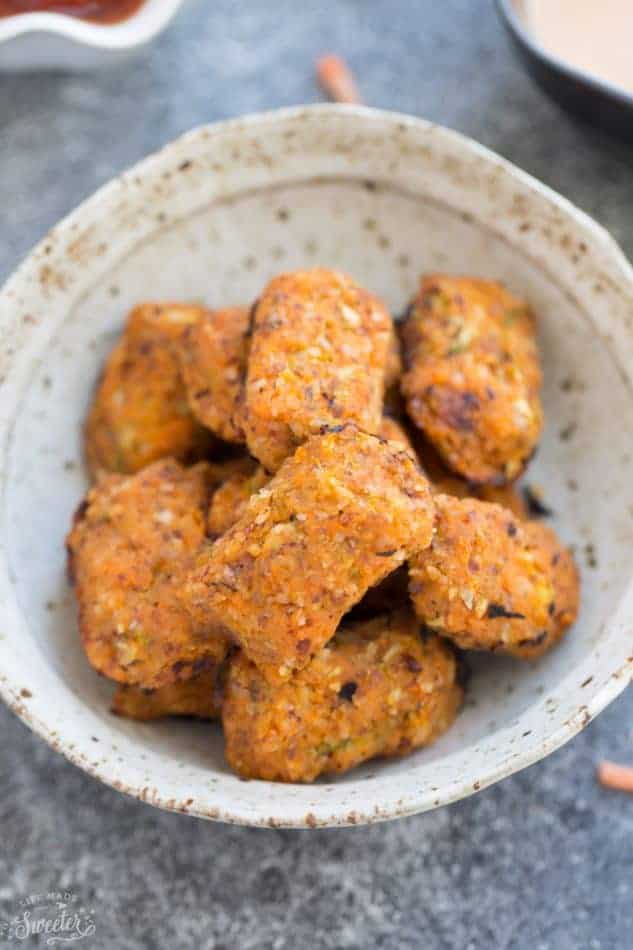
[[221, 251]]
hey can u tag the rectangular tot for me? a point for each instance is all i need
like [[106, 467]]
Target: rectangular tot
[[378, 688], [131, 547], [318, 356], [473, 376], [340, 515]]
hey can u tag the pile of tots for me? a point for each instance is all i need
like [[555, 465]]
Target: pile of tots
[[303, 512]]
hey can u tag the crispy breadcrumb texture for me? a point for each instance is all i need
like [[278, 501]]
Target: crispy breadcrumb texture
[[132, 544], [341, 514], [197, 697], [229, 501], [213, 352], [318, 357], [140, 412], [491, 582], [378, 688], [473, 376]]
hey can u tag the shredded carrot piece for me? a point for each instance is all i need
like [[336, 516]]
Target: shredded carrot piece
[[337, 79], [616, 776]]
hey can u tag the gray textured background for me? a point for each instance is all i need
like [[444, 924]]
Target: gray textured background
[[543, 860]]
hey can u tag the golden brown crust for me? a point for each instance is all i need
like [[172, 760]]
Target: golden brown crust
[[292, 591], [197, 697], [213, 352], [229, 502], [317, 357], [491, 582], [231, 498], [473, 377], [377, 688], [139, 412], [341, 514], [132, 543]]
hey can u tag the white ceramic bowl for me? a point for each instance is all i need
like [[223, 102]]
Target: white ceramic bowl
[[213, 216], [32, 41]]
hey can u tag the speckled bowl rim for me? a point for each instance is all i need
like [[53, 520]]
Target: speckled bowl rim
[[398, 801]]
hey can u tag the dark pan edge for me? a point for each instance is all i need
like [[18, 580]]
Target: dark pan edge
[[595, 101]]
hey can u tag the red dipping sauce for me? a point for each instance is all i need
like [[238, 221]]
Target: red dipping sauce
[[99, 11]]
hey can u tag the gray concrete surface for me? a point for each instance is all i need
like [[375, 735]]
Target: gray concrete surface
[[543, 860]]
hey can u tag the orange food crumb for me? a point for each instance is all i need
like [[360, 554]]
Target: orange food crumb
[[612, 775], [336, 79]]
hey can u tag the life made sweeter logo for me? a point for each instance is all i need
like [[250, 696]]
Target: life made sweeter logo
[[55, 917]]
